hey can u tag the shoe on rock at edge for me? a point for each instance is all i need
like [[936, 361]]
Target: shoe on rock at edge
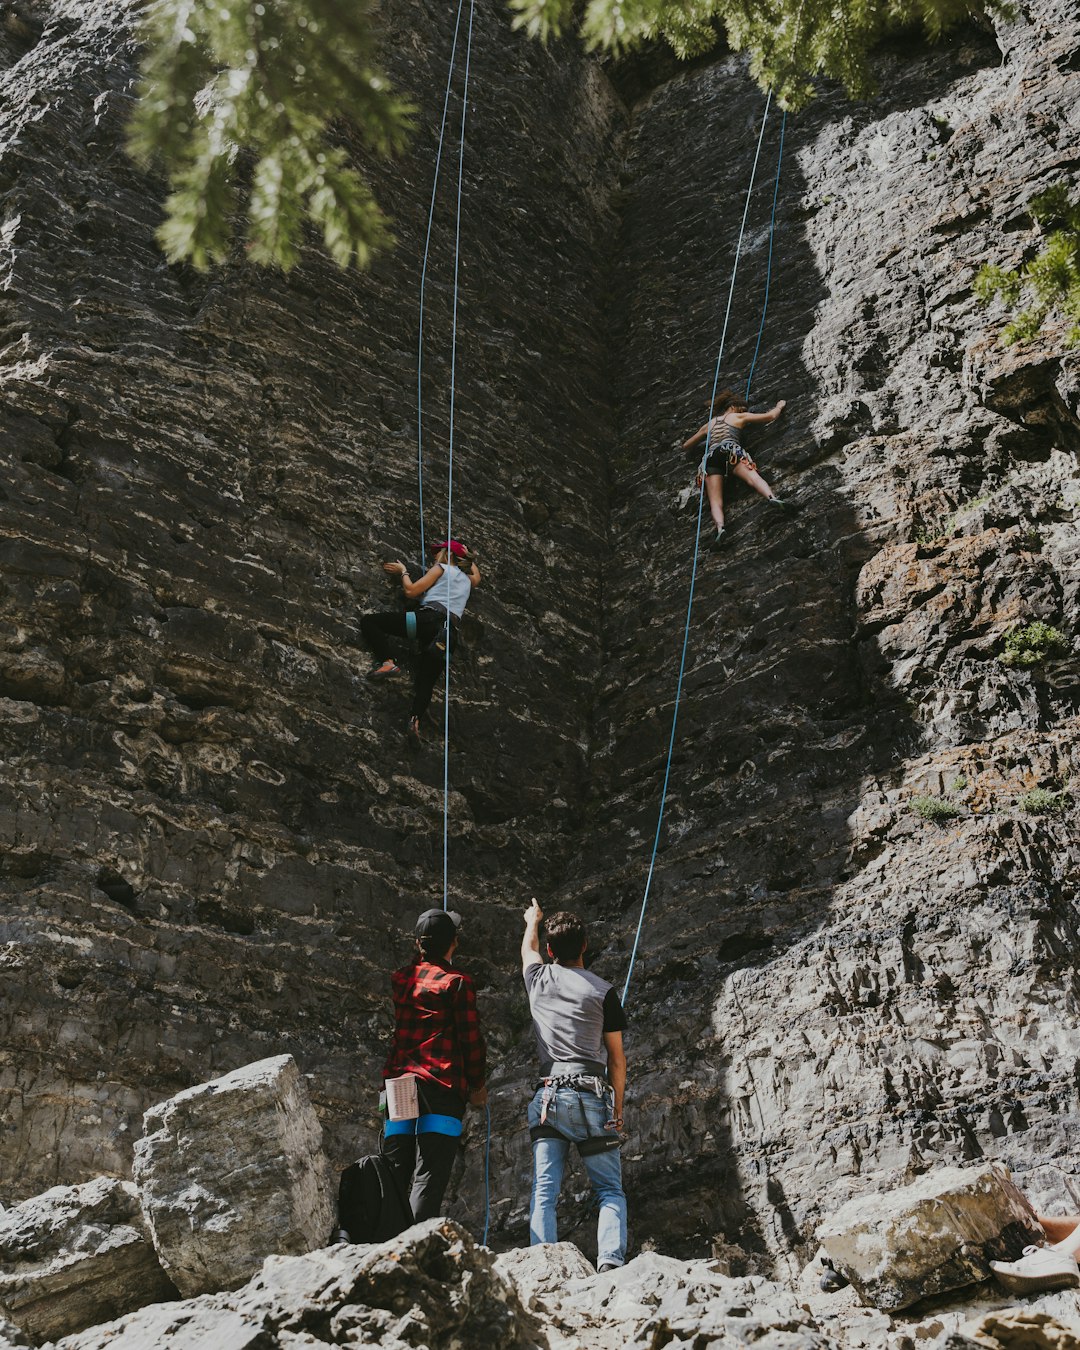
[[1038, 1268]]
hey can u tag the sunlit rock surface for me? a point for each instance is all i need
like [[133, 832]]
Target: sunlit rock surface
[[214, 841], [233, 1171]]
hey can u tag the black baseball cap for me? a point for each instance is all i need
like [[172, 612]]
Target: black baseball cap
[[439, 924]]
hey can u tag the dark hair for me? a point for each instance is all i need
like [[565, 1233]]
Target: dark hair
[[433, 947], [565, 935], [725, 399]]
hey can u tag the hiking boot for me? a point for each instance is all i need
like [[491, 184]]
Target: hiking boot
[[387, 668], [1039, 1268], [718, 543], [788, 507]]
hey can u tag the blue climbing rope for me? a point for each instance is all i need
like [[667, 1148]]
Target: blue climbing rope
[[697, 543], [423, 285], [487, 1175], [450, 451], [768, 268]]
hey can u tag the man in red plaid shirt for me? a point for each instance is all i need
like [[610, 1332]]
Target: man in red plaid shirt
[[437, 1039]]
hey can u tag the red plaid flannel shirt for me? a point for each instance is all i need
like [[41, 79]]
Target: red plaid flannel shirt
[[436, 1028]]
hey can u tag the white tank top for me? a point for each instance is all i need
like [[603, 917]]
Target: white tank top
[[452, 590]]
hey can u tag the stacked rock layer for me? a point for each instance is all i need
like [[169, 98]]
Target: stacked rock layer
[[214, 839]]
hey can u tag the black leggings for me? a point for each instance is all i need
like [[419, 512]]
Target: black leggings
[[423, 1161], [378, 630]]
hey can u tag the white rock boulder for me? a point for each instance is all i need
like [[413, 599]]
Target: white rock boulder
[[76, 1255], [939, 1233], [231, 1172]]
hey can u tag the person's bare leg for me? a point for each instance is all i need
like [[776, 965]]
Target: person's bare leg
[[753, 479], [714, 487], [1063, 1232]]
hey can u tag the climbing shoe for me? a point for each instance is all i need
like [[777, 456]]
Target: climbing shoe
[[718, 543], [1039, 1268], [788, 507], [387, 668], [607, 1267], [413, 731]]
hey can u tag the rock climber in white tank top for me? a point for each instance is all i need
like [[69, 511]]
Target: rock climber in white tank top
[[446, 588]]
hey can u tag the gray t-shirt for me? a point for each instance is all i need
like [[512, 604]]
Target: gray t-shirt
[[571, 1009]]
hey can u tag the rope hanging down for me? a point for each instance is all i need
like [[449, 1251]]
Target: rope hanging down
[[450, 443], [450, 453], [701, 501], [423, 283]]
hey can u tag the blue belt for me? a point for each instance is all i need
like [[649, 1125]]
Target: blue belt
[[426, 1124]]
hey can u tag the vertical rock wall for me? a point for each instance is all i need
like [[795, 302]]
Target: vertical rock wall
[[212, 830], [834, 992], [213, 836]]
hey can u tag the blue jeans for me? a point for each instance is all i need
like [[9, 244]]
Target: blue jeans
[[577, 1116]]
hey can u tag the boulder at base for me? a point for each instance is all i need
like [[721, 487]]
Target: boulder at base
[[432, 1286], [939, 1233], [76, 1255], [1014, 1329], [231, 1172]]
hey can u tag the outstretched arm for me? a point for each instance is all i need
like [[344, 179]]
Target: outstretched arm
[[530, 943], [742, 418], [414, 588]]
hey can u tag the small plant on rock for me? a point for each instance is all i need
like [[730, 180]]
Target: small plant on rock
[[958, 784], [1032, 644], [1043, 802], [1048, 281], [935, 809]]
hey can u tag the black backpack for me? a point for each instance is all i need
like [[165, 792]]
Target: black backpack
[[371, 1204]]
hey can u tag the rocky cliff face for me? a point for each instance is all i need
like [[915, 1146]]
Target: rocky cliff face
[[214, 838]]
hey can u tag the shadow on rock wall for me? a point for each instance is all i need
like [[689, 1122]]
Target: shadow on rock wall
[[213, 838], [812, 1015]]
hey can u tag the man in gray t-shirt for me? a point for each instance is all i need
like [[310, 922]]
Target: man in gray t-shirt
[[579, 1022]]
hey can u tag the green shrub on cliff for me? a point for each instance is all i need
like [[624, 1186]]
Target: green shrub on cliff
[[244, 102], [1042, 802], [237, 100], [1032, 644], [935, 809], [1050, 280]]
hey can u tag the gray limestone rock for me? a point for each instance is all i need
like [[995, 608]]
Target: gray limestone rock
[[231, 1172], [213, 843], [1014, 1329], [655, 1301], [11, 1336], [940, 1233], [77, 1255], [432, 1287], [544, 1271]]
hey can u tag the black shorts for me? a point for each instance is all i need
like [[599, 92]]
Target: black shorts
[[723, 458]]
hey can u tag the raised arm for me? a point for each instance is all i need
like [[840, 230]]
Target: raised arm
[[414, 588], [740, 419], [530, 943]]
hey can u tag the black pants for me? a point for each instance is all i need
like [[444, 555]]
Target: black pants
[[378, 630], [423, 1161]]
